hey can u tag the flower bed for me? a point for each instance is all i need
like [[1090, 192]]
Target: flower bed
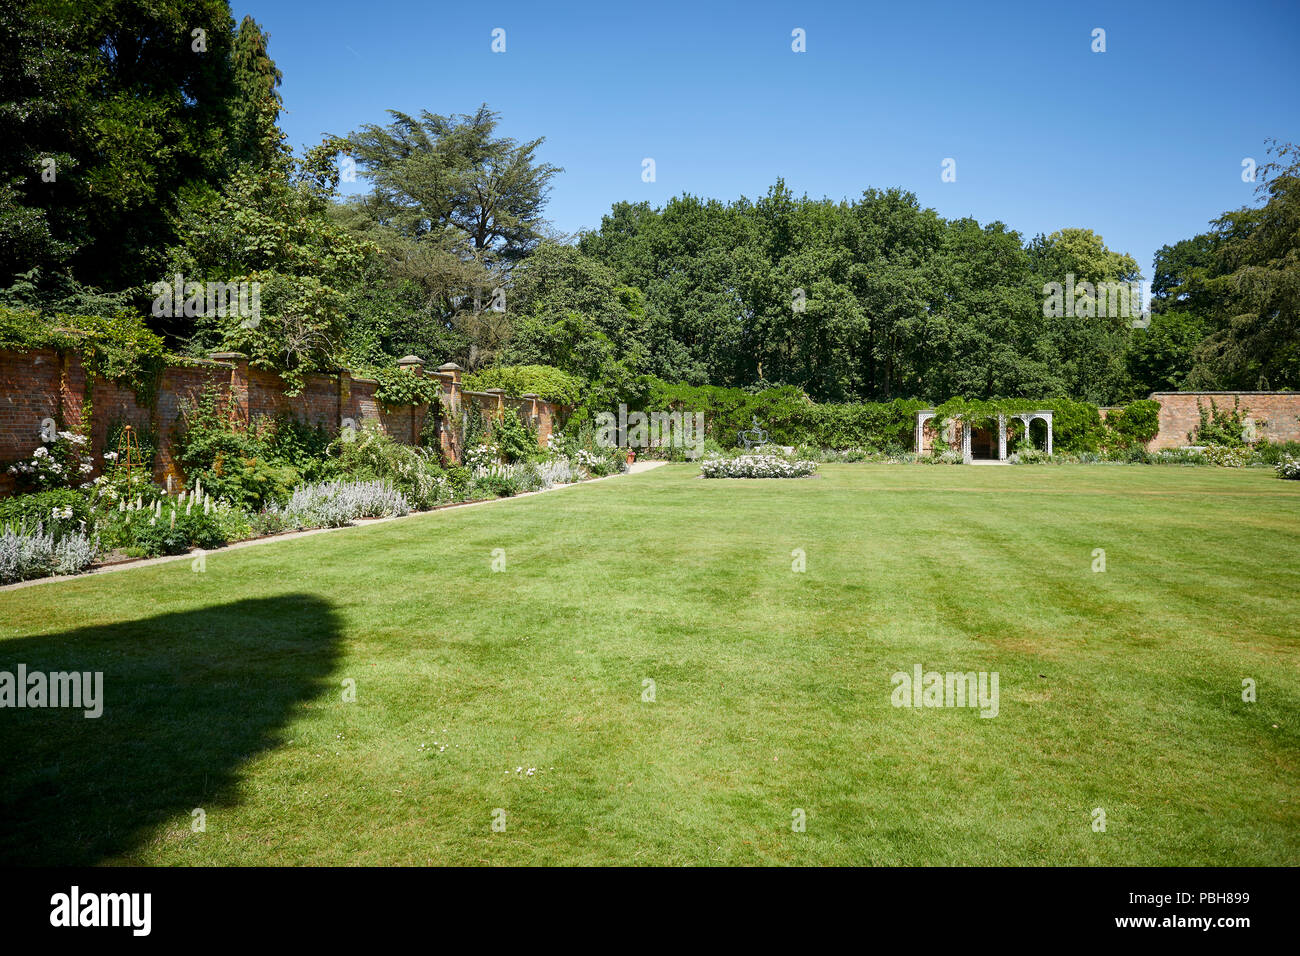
[[756, 466], [122, 516]]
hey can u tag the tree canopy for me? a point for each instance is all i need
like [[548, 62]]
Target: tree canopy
[[139, 141]]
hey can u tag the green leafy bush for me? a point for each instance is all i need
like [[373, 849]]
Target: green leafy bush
[[59, 511], [301, 445], [1135, 424], [153, 540], [370, 454], [211, 439], [1274, 453], [250, 467], [459, 482], [401, 386], [254, 482], [177, 529], [543, 381], [495, 484], [515, 440]]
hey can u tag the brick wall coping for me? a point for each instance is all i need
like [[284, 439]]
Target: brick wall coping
[[1154, 394]]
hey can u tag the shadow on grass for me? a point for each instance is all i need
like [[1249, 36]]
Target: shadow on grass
[[188, 699]]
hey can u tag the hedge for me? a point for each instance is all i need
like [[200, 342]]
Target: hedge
[[791, 418], [547, 383]]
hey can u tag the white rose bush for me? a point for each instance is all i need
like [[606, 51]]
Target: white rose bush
[[757, 466]]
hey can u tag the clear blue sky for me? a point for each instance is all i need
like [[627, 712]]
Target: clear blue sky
[[1142, 143]]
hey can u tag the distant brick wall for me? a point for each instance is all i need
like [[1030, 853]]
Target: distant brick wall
[[1276, 415], [43, 383]]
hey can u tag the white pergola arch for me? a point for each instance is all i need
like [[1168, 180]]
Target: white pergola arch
[[1044, 415]]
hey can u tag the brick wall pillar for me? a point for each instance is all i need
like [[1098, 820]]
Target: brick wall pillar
[[449, 409], [415, 366], [534, 415], [344, 398], [238, 380]]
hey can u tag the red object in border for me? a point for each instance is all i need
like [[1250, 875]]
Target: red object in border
[[631, 456]]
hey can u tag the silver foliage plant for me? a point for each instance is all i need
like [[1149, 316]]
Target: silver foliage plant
[[35, 554], [331, 504], [535, 476], [559, 471]]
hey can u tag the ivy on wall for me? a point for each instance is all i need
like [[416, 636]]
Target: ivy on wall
[[119, 347], [399, 387]]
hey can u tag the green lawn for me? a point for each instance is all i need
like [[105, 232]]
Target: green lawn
[[1118, 690]]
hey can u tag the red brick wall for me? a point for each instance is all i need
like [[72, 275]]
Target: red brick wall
[[43, 383], [1276, 414], [29, 392]]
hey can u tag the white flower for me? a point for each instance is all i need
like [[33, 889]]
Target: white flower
[[41, 452], [756, 466]]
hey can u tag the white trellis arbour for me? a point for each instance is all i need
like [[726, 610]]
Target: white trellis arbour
[[1028, 417], [921, 419], [1044, 415]]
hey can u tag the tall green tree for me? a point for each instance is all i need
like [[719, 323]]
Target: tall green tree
[[1090, 338], [1255, 285], [43, 103], [453, 175], [872, 299], [135, 104], [274, 227], [256, 138]]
